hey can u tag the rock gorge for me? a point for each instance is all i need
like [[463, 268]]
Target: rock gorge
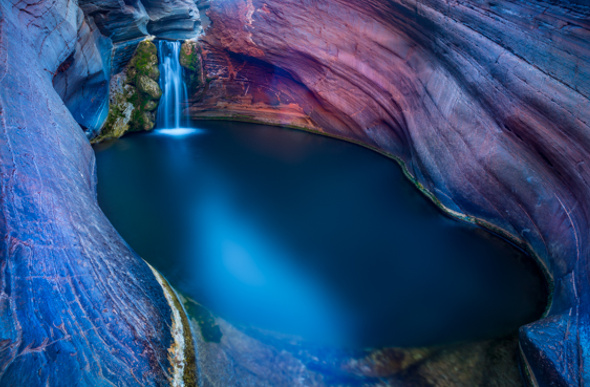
[[485, 103]]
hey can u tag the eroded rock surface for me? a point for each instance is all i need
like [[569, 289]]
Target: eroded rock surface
[[108, 36], [134, 95], [82, 79], [258, 358], [486, 104], [77, 306], [131, 19]]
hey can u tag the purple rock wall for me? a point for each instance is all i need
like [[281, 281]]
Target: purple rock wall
[[485, 102]]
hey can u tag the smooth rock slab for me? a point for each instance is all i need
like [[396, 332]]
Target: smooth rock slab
[[77, 306]]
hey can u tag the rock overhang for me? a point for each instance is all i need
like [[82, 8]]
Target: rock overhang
[[485, 104]]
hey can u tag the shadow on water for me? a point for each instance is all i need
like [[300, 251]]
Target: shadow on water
[[309, 236]]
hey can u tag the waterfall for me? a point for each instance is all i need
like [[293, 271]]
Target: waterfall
[[174, 96]]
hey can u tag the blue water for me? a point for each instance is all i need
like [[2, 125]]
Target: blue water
[[310, 236]]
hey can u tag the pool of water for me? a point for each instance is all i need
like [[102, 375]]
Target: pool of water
[[309, 236]]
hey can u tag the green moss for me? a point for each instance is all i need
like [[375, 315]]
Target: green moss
[[113, 127], [137, 120], [190, 60], [145, 58], [144, 63], [114, 114], [190, 56]]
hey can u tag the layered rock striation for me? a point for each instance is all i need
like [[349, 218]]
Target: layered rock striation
[[77, 305], [486, 104]]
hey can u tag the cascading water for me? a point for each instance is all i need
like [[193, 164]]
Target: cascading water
[[174, 94]]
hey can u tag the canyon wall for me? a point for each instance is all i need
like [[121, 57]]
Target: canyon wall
[[77, 305], [485, 103]]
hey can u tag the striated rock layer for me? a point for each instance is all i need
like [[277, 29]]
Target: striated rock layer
[[485, 103], [77, 306]]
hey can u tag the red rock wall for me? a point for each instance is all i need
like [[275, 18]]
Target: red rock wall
[[485, 102]]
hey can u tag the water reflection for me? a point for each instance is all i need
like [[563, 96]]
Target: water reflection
[[310, 236], [244, 262], [178, 132]]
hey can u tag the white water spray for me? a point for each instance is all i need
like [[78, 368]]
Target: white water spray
[[175, 95]]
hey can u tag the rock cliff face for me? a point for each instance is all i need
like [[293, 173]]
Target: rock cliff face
[[486, 104], [82, 79], [77, 306], [108, 35]]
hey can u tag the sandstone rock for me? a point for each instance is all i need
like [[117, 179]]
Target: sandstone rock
[[120, 23], [82, 79], [172, 19], [485, 103], [78, 306], [191, 61]]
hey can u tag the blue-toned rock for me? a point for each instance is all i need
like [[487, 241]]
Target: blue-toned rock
[[78, 307]]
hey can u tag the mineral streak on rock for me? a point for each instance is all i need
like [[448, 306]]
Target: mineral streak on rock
[[486, 104], [77, 306]]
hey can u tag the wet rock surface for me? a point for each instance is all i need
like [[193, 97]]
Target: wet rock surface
[[82, 79], [77, 306], [486, 104], [192, 62], [134, 95], [230, 355]]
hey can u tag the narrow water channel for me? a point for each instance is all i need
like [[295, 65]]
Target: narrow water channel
[[310, 236]]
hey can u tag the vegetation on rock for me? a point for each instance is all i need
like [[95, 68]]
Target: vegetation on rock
[[190, 60], [134, 95]]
